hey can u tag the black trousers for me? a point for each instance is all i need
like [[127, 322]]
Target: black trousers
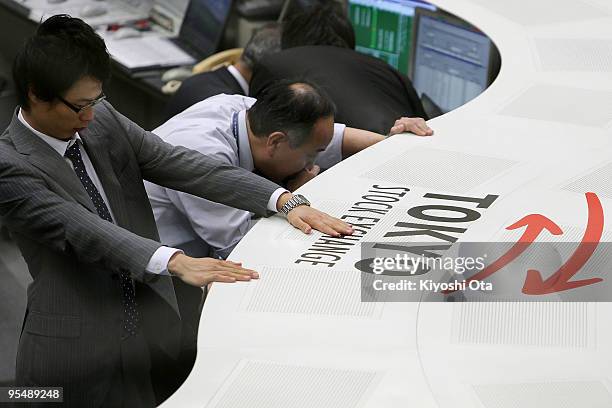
[[131, 384], [168, 374]]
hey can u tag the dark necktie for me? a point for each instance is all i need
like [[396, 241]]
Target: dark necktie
[[130, 312]]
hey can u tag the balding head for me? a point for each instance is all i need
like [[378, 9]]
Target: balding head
[[292, 108], [290, 124]]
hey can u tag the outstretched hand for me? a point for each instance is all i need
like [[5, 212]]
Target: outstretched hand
[[418, 126], [202, 271], [306, 218]]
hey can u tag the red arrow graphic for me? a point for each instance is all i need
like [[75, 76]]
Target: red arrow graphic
[[559, 281], [535, 223]]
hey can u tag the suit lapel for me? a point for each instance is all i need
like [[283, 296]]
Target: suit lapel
[[42, 156], [100, 158]]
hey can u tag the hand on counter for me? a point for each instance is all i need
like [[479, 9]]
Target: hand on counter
[[418, 126], [305, 218], [202, 271]]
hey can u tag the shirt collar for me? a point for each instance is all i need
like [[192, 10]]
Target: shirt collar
[[238, 76], [245, 155], [60, 146]]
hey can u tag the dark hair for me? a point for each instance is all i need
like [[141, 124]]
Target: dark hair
[[291, 107], [321, 24], [265, 41], [61, 51]]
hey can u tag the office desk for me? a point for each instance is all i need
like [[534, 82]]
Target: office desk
[[538, 139], [138, 97]]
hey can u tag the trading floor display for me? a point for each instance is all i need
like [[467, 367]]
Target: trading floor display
[[383, 28], [452, 61], [518, 180]]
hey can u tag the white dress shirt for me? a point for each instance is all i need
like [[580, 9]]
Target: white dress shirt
[[239, 78], [159, 261], [183, 219]]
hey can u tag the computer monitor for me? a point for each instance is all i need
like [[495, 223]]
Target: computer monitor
[[383, 28], [203, 25], [452, 61]]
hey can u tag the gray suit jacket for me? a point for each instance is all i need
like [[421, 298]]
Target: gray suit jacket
[[72, 328]]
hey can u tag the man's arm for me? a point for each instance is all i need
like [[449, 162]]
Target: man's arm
[[186, 170], [347, 141], [355, 140], [30, 208]]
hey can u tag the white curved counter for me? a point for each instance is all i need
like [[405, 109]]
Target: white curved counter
[[539, 138]]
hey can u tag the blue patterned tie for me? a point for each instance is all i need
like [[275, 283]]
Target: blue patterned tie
[[130, 311]]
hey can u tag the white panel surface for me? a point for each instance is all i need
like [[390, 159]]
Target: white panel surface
[[539, 139], [544, 11], [583, 107], [574, 54], [266, 385], [545, 395], [330, 292], [430, 168], [599, 180], [524, 324]]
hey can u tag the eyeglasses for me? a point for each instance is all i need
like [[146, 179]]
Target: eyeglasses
[[79, 109]]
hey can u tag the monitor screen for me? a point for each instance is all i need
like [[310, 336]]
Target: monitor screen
[[452, 62], [383, 29], [203, 25]]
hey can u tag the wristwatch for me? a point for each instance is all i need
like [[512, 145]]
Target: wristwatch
[[293, 202]]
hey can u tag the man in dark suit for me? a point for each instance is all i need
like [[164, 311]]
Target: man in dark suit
[[232, 80], [102, 309], [318, 46]]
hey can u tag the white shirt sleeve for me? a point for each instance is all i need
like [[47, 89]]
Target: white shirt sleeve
[[158, 263], [333, 152], [274, 198]]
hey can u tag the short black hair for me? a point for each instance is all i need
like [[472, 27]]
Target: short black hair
[[62, 50], [291, 107], [264, 41], [321, 24]]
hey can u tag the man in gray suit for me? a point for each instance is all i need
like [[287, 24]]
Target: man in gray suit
[[102, 308]]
